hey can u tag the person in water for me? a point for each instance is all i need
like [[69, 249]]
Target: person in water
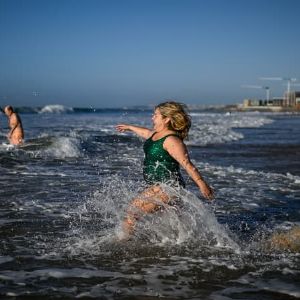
[[16, 133], [288, 240], [165, 152]]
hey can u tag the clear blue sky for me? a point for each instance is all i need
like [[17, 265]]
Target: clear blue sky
[[109, 53]]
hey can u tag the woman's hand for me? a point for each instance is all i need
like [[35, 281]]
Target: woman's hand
[[122, 127], [206, 190], [140, 131]]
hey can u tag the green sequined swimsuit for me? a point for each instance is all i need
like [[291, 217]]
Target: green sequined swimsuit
[[159, 165]]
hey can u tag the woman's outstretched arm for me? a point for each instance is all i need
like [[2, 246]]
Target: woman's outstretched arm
[[140, 131]]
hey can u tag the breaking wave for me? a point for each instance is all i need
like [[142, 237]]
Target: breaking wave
[[55, 109]]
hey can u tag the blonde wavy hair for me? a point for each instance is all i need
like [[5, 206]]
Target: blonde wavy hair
[[180, 121]]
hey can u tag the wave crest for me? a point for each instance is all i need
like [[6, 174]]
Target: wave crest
[[55, 109], [219, 128]]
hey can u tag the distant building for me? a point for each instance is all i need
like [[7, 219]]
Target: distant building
[[278, 101], [247, 103], [297, 100], [292, 99], [275, 104], [263, 103]]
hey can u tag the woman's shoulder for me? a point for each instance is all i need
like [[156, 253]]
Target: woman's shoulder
[[172, 138], [173, 142]]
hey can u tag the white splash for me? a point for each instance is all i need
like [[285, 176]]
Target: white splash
[[98, 221], [64, 147]]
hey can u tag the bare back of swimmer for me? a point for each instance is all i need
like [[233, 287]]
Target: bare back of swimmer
[[16, 133]]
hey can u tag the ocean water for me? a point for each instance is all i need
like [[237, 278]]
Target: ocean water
[[64, 193]]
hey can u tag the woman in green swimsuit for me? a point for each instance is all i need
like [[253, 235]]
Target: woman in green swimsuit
[[165, 152]]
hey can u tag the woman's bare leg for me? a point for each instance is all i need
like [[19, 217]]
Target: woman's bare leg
[[146, 202]]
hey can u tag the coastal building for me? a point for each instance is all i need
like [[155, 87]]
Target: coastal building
[[290, 101], [278, 101], [297, 100], [275, 104]]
